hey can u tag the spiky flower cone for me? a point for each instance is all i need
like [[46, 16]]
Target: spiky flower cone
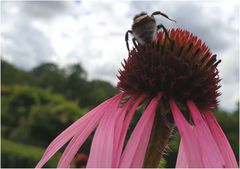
[[182, 68]]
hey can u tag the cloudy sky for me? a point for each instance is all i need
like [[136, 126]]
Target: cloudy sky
[[92, 33]]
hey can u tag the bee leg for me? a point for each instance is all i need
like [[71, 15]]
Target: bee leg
[[163, 14], [135, 42], [166, 33], [126, 38], [164, 30]]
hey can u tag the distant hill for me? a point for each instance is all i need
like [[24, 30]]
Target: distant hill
[[71, 82]]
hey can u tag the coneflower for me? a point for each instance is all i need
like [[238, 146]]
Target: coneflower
[[175, 83]]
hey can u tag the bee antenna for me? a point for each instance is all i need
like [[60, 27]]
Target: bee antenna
[[163, 14]]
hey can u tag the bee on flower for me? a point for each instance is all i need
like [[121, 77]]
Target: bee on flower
[[175, 75], [144, 28]]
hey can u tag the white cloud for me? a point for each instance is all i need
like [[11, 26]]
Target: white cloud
[[230, 96], [92, 33]]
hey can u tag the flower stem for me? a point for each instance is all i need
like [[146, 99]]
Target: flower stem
[[159, 138]]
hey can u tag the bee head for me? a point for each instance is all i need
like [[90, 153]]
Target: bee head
[[140, 16]]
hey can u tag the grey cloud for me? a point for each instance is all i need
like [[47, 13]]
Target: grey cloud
[[35, 9], [28, 47], [213, 31], [44, 9]]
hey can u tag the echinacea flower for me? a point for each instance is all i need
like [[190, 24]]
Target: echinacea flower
[[174, 82]]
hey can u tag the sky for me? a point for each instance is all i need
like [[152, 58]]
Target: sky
[[92, 33]]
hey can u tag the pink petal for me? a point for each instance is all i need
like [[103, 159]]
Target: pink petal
[[67, 134], [136, 147], [182, 161], [118, 130], [210, 153], [103, 147], [221, 140], [188, 138], [79, 139], [125, 126]]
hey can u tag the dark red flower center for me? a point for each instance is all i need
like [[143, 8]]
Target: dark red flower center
[[182, 68]]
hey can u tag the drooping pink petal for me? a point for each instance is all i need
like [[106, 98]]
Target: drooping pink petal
[[188, 138], [134, 152], [210, 152], [125, 126], [118, 131], [77, 126], [221, 140], [82, 135], [182, 161], [103, 145]]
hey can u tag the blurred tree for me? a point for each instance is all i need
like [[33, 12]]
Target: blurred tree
[[71, 82], [83, 92], [11, 75], [76, 71], [76, 87], [16, 155], [49, 76], [35, 116], [50, 120], [100, 90]]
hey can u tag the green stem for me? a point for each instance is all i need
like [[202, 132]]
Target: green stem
[[159, 139]]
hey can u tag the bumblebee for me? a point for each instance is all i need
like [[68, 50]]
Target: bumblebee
[[144, 28]]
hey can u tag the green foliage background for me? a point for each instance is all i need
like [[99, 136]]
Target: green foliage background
[[39, 104]]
